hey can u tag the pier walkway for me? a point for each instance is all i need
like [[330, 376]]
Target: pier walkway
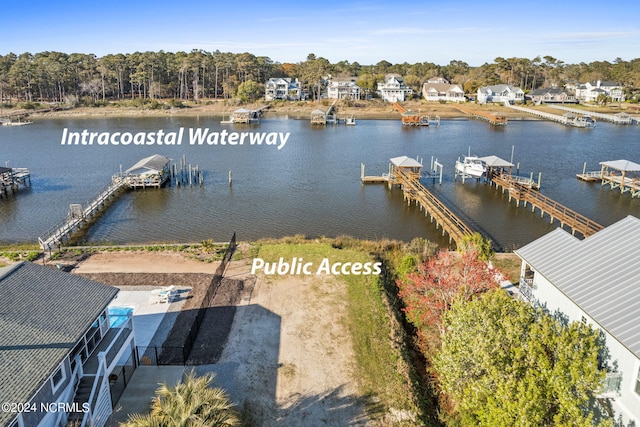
[[619, 119], [493, 118], [78, 214], [622, 174], [565, 120], [555, 210], [413, 190]]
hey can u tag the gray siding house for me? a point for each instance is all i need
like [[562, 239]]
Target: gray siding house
[[58, 351]]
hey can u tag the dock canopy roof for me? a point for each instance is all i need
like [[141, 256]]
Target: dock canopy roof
[[496, 162], [622, 165], [155, 163], [406, 162]]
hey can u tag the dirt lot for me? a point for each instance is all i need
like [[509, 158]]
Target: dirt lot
[[283, 339]]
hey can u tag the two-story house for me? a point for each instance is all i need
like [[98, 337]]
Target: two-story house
[[343, 88], [439, 89], [282, 88], [58, 350], [590, 91], [393, 89], [595, 281], [500, 94]]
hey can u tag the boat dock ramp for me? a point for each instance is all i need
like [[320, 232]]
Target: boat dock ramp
[[150, 172], [622, 174], [11, 179], [569, 119], [619, 119]]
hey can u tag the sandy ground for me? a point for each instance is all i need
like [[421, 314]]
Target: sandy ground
[[288, 359]]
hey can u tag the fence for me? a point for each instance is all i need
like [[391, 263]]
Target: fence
[[179, 355]]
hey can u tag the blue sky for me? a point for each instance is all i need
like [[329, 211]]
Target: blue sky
[[363, 31]]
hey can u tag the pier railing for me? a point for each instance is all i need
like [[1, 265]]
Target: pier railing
[[54, 236], [414, 190], [555, 210]]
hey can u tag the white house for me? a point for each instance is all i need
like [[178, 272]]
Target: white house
[[393, 88], [59, 347], [283, 88], [500, 93], [343, 88], [439, 89], [552, 95], [590, 91], [595, 281]]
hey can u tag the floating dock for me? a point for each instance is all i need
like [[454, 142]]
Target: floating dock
[[11, 179], [619, 119], [495, 119], [556, 211]]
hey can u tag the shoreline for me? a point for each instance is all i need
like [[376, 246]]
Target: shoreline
[[297, 110]]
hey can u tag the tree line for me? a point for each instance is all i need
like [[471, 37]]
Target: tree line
[[192, 76]]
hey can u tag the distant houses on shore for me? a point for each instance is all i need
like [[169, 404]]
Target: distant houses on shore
[[437, 89]]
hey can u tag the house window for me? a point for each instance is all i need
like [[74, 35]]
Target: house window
[[612, 383], [638, 382], [58, 378]]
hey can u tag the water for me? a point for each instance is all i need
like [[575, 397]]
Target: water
[[312, 186]]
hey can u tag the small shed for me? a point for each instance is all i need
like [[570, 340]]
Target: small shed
[[407, 164], [152, 171], [318, 117]]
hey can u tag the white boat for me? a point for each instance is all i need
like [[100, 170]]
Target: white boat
[[350, 121], [471, 167], [10, 123]]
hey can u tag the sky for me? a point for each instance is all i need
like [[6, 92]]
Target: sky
[[473, 31]]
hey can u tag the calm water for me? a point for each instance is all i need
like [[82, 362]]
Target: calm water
[[312, 186]]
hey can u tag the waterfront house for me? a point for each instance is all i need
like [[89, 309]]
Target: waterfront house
[[439, 89], [595, 281], [393, 89], [58, 350], [552, 95], [343, 88], [282, 88], [500, 93], [590, 91]]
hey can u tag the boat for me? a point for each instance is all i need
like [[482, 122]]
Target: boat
[[471, 167], [351, 121], [18, 123]]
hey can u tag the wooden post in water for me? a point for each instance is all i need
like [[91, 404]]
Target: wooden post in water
[[362, 172], [230, 179], [539, 179]]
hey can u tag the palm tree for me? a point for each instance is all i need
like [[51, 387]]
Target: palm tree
[[190, 403]]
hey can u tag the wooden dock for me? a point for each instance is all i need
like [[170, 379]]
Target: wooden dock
[[11, 179], [493, 118], [78, 214], [575, 121], [410, 118], [546, 205], [322, 117], [619, 119]]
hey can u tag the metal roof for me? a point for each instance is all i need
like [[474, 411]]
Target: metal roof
[[622, 165], [599, 274], [406, 162], [44, 312], [153, 163], [496, 162]]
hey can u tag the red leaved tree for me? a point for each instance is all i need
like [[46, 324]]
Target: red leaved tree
[[445, 278]]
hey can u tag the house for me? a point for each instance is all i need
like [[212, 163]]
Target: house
[[590, 91], [439, 89], [283, 88], [393, 88], [58, 350], [500, 93], [595, 281], [552, 95], [343, 88]]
